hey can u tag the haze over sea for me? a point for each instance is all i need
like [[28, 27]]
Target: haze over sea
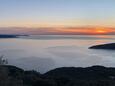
[[45, 52]]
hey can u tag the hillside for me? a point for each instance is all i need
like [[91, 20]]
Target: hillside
[[65, 76]]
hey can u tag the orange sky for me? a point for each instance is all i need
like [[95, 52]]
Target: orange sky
[[85, 30], [58, 30], [57, 17]]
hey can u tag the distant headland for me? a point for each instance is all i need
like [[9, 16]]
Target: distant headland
[[109, 46], [10, 36]]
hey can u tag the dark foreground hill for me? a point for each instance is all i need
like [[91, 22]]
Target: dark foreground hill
[[88, 73], [65, 76], [110, 46]]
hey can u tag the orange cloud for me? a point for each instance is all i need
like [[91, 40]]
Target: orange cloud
[[87, 30], [58, 30]]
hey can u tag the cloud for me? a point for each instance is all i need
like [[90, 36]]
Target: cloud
[[86, 30]]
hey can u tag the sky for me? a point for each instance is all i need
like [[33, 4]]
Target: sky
[[57, 16]]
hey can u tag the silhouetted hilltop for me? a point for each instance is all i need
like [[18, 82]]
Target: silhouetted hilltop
[[110, 46], [12, 70], [89, 73], [65, 76]]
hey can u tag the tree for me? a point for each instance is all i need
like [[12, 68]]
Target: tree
[[3, 60]]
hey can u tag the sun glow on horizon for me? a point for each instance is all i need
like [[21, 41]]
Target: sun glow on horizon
[[80, 30], [102, 30]]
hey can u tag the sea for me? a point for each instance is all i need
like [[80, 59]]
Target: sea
[[46, 52]]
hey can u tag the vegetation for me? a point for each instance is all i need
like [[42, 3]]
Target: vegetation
[[65, 76], [3, 60]]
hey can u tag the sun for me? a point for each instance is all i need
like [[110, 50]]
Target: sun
[[101, 30]]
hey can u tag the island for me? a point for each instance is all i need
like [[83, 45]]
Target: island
[[109, 46]]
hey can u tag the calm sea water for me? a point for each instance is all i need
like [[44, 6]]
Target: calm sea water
[[45, 52]]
